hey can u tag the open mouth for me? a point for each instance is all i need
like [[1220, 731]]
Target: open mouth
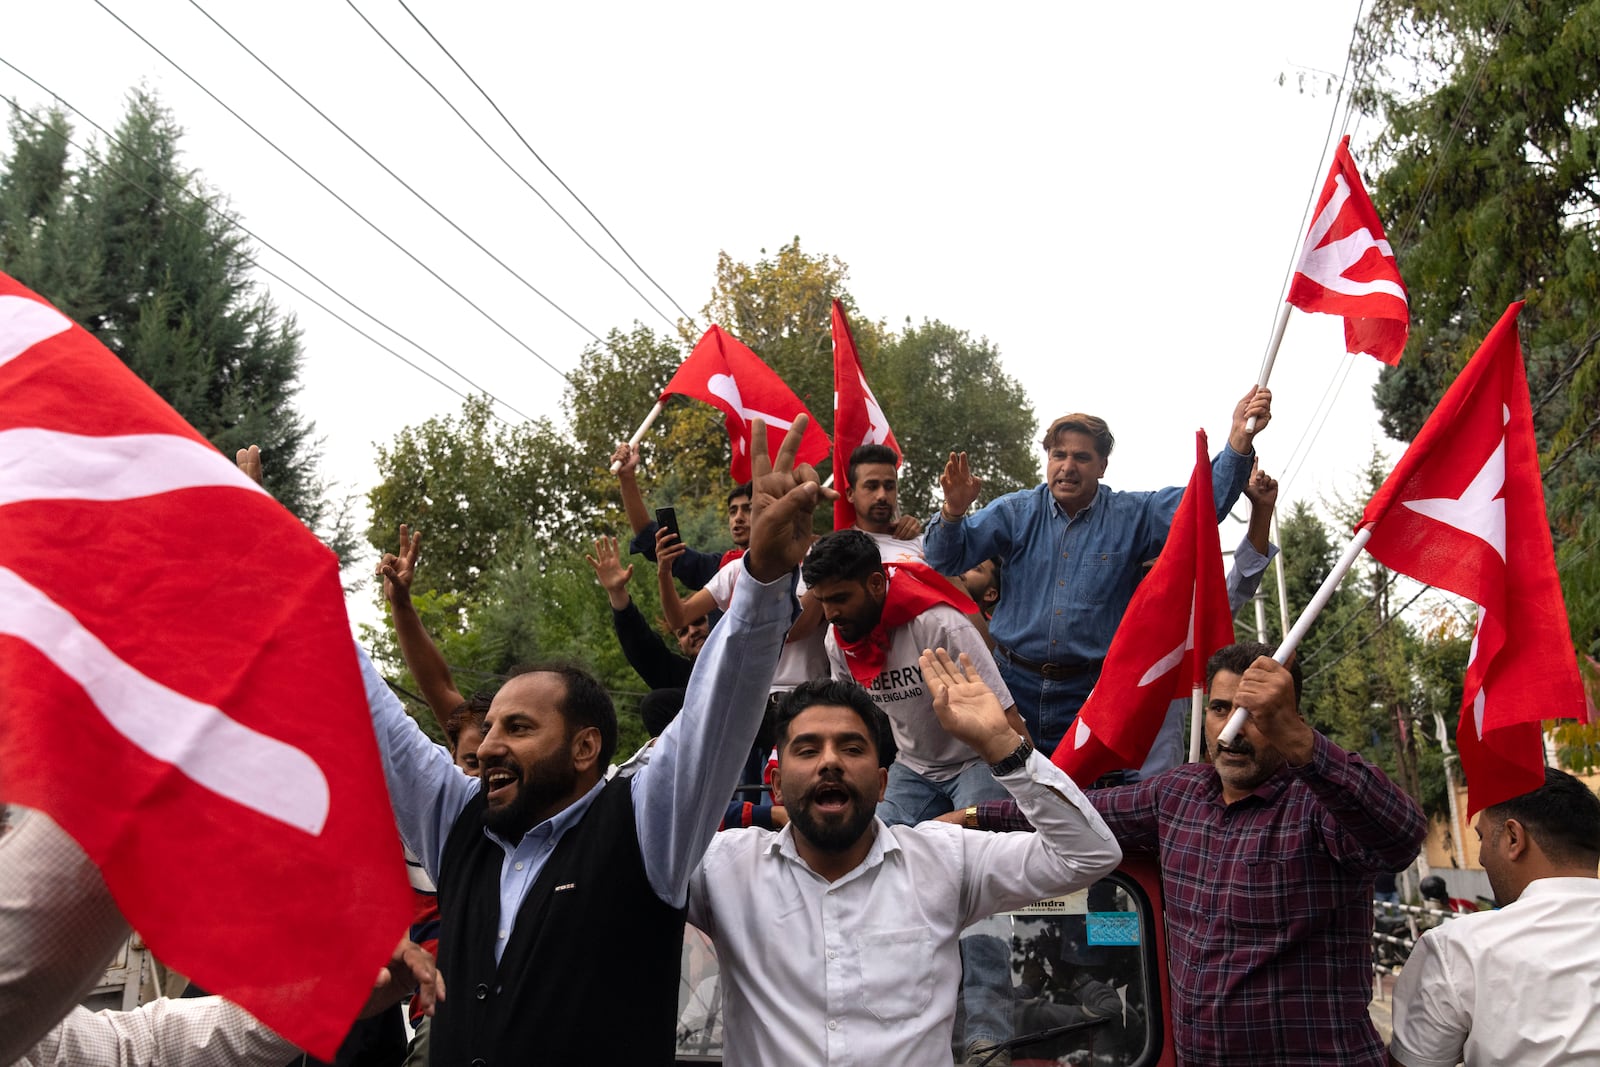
[[830, 798], [497, 781]]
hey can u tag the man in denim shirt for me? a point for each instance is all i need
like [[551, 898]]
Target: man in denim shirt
[[1071, 551]]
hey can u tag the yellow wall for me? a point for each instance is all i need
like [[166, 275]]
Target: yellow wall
[[1437, 847]]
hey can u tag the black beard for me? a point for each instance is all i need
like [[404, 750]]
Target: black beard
[[834, 835], [543, 785]]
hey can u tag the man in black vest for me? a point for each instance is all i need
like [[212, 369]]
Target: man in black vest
[[547, 873]]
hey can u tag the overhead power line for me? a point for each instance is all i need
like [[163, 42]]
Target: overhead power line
[[512, 127], [390, 172], [326, 188], [507, 163], [89, 151]]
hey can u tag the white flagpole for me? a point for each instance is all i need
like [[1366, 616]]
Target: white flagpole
[[1292, 639], [1272, 355], [1283, 591], [638, 435], [1197, 722]]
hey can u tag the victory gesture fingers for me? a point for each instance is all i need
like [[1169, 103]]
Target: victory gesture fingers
[[398, 570], [784, 497]]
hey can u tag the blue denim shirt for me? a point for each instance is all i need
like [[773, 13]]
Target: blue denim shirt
[[1066, 584]]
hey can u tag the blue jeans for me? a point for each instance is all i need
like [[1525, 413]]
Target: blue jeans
[[910, 798], [1047, 707]]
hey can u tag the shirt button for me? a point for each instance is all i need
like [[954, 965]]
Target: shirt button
[[832, 955], [502, 935], [519, 865], [833, 1024], [480, 1063], [1061, 583], [482, 992]]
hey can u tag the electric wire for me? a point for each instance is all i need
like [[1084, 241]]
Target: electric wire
[[512, 127], [507, 163], [390, 172], [256, 263], [326, 188]]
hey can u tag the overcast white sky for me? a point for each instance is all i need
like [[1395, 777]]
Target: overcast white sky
[[1110, 194]]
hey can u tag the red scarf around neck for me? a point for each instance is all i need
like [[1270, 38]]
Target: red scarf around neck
[[913, 588]]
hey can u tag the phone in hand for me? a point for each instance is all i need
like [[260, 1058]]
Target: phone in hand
[[667, 519]]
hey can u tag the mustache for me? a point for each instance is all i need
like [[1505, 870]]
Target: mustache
[[1239, 747]]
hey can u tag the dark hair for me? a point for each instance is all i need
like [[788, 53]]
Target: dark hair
[[1236, 659], [585, 703], [1078, 422], [469, 712], [1562, 817], [659, 707], [994, 581], [869, 454], [835, 692], [743, 490], [842, 555]]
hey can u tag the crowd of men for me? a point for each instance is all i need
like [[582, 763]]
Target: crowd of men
[[901, 686]]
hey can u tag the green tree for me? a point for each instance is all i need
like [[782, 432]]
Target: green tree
[[1489, 178], [150, 260]]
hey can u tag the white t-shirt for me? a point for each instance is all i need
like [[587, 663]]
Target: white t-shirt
[[801, 660], [893, 550], [900, 693], [1514, 986]]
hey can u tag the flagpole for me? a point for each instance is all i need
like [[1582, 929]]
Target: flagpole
[[1197, 703], [1283, 589], [1272, 356], [1292, 639], [638, 435]]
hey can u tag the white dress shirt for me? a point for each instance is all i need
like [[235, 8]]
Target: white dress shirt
[[864, 970], [1516, 986]]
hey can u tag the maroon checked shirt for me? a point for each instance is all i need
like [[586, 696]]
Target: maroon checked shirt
[[1268, 902]]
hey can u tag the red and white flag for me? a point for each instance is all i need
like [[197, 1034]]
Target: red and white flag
[[181, 689], [1347, 267], [1178, 617], [857, 418], [727, 375], [1464, 511]]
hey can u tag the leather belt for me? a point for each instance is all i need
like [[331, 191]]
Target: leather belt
[[1055, 672]]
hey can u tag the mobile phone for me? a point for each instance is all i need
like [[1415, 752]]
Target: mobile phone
[[667, 519]]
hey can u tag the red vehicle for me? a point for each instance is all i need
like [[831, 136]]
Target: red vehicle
[[1088, 973]]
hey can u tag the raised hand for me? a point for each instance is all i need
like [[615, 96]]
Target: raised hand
[[1262, 489], [397, 570], [669, 546], [249, 461], [784, 496], [1250, 416], [1267, 689], [609, 572], [961, 487], [625, 460], [967, 708]]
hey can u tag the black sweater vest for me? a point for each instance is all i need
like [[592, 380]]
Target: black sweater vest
[[590, 973]]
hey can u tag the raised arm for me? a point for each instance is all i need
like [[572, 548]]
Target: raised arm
[[956, 541], [680, 796], [627, 481], [1072, 850], [1371, 822], [422, 656], [643, 648], [677, 611], [1255, 551]]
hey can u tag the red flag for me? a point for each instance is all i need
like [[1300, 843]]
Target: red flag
[[727, 375], [1178, 617], [1347, 267], [857, 418], [1466, 489], [181, 690]]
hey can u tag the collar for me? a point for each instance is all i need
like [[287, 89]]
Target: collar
[[883, 843], [1267, 792], [553, 827], [1101, 490], [1548, 888]]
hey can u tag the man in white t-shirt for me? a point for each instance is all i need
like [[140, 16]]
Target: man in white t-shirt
[[1520, 985]]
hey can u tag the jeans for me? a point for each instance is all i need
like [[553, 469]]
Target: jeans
[[1047, 707], [910, 798]]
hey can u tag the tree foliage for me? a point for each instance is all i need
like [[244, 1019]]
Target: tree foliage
[[136, 248], [1489, 177]]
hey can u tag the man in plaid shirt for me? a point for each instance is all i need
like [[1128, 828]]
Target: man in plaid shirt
[[1267, 857]]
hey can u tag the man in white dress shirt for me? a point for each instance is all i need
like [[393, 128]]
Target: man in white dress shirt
[[867, 968], [1520, 985]]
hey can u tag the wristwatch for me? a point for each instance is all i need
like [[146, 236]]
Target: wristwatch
[[1015, 761], [969, 818]]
